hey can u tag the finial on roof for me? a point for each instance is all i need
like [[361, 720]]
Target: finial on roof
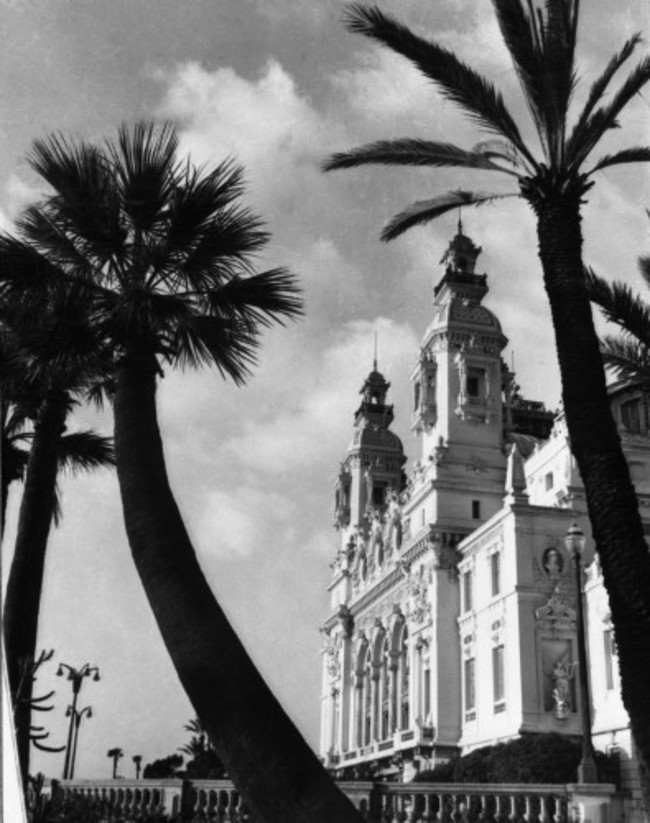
[[460, 221], [374, 362]]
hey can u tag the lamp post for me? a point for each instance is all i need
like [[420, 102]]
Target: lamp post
[[587, 772], [76, 715], [76, 676]]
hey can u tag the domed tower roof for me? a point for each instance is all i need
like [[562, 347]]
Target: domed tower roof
[[458, 295]]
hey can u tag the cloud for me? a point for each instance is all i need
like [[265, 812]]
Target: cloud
[[316, 422], [14, 196], [237, 522], [265, 122]]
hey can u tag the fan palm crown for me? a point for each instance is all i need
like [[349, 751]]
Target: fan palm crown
[[165, 248]]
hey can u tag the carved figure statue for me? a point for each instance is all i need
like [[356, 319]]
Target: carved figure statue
[[376, 537], [562, 675], [393, 529]]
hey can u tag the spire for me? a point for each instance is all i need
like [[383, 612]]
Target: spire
[[515, 478], [460, 221], [374, 362]]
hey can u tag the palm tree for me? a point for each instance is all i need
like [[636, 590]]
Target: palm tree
[[168, 251], [627, 355], [137, 759], [541, 39], [115, 754], [48, 373]]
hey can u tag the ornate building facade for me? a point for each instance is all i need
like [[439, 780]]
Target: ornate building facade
[[452, 619]]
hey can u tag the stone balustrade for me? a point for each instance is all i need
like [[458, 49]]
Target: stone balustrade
[[218, 800]]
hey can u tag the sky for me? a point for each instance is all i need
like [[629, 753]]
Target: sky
[[279, 85]]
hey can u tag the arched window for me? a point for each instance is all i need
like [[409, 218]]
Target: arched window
[[404, 680], [367, 700], [385, 691]]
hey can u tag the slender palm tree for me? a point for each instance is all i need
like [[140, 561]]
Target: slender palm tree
[[49, 371], [168, 252], [137, 760], [553, 180], [626, 354], [115, 755]]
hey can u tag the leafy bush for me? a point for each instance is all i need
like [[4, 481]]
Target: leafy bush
[[532, 758]]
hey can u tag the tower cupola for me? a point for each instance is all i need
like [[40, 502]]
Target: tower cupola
[[460, 276], [374, 410]]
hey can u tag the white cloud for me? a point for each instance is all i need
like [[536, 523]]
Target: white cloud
[[239, 522], [266, 123], [315, 428]]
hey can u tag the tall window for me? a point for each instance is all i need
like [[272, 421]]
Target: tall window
[[470, 688], [467, 591], [610, 653], [495, 572], [476, 509], [474, 385], [367, 701], [498, 675], [385, 692], [404, 681], [631, 416], [427, 693]]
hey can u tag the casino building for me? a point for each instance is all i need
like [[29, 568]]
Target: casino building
[[452, 619]]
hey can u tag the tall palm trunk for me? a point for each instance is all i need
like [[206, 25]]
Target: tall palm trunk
[[23, 596], [611, 499], [277, 774]]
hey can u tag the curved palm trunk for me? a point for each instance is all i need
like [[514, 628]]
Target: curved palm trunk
[[277, 774], [23, 596], [611, 497]]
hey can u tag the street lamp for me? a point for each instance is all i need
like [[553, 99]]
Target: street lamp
[[587, 772], [76, 676], [76, 717]]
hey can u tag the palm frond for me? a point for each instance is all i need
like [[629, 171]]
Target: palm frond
[[629, 360], [225, 248], [606, 117], [84, 451], [501, 149], [143, 160], [524, 41], [269, 296], [213, 341], [413, 152], [86, 195], [426, 210], [456, 81], [597, 90], [638, 154], [620, 305], [197, 200]]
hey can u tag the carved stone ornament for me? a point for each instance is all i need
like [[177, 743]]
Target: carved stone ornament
[[419, 591], [332, 649], [563, 673], [555, 608]]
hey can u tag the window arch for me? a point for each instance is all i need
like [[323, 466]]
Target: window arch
[[384, 691], [404, 677], [367, 699]]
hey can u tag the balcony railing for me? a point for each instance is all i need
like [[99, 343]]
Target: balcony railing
[[218, 800]]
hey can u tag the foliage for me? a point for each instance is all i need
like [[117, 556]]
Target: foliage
[[533, 758], [165, 767], [627, 354]]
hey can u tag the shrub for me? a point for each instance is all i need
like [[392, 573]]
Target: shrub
[[532, 758]]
